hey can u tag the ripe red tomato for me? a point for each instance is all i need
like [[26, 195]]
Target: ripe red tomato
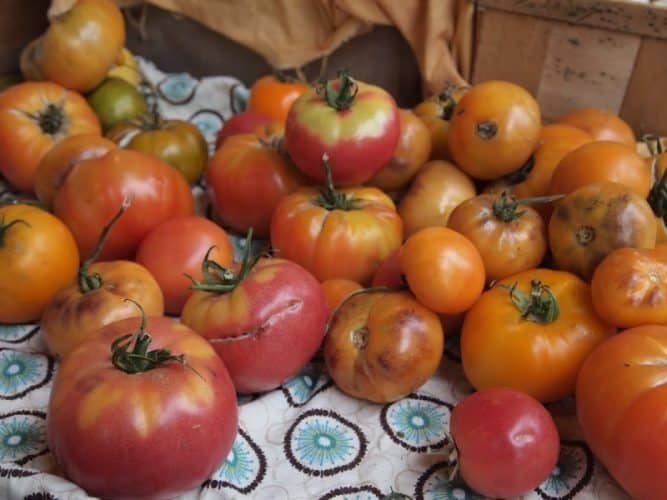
[[244, 122], [124, 427], [355, 123]]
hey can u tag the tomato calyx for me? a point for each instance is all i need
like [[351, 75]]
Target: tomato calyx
[[329, 198], [50, 120], [585, 235], [4, 227], [446, 102], [657, 198], [505, 207], [540, 306], [486, 130], [342, 98]]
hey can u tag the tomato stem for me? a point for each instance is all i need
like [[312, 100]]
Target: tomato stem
[[343, 97], [329, 198], [657, 197], [4, 227], [446, 101], [51, 119], [653, 144], [505, 207], [521, 174], [540, 306]]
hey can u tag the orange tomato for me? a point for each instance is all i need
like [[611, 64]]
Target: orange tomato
[[601, 124], [337, 290], [273, 97]]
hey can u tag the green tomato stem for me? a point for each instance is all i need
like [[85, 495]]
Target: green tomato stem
[[329, 198], [540, 306]]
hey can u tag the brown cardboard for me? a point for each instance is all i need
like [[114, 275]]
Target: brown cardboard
[[19, 23]]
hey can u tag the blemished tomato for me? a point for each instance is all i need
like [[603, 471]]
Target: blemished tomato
[[356, 124], [38, 256], [115, 101], [511, 237], [175, 250], [629, 287], [494, 130], [245, 180], [507, 443], [33, 117], [381, 346], [95, 188], [270, 309], [273, 96], [601, 124], [436, 190], [531, 332], [621, 403], [152, 419], [595, 219], [336, 290], [244, 122], [412, 151], [61, 158], [443, 269]]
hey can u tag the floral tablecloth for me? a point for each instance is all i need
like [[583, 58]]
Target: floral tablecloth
[[306, 440]]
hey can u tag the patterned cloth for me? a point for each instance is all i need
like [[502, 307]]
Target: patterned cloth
[[306, 440]]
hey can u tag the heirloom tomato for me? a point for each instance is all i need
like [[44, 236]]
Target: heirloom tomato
[[355, 123], [389, 272], [245, 122], [115, 101], [145, 409], [601, 124], [33, 117], [337, 289], [621, 401], [336, 234], [436, 190], [531, 332], [381, 346], [506, 442], [245, 180], [38, 256], [174, 251], [95, 188], [595, 219], [80, 46], [629, 287], [494, 130], [273, 96], [510, 237], [443, 269], [266, 320]]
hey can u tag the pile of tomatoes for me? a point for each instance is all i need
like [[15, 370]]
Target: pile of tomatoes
[[541, 245]]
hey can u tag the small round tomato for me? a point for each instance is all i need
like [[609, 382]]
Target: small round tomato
[[244, 122], [174, 250], [601, 124], [381, 346], [443, 269], [336, 290], [115, 101], [595, 219], [494, 130], [436, 190], [38, 256], [507, 443], [273, 96], [144, 409], [531, 332]]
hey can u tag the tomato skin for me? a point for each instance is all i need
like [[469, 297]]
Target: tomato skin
[[152, 435], [274, 98], [115, 101], [278, 312], [37, 258], [389, 272], [244, 122], [95, 188], [33, 117], [336, 291], [176, 248], [601, 124], [382, 346], [501, 348], [621, 401], [507, 442], [246, 179]]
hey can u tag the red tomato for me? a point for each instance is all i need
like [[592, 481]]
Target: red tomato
[[244, 122], [507, 442], [134, 428], [355, 123], [389, 272]]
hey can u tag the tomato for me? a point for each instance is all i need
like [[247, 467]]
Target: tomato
[[601, 161], [270, 310], [443, 269], [507, 443], [153, 418], [510, 238], [382, 346], [175, 250], [126, 68], [620, 406], [436, 190], [245, 180], [80, 46], [336, 290], [531, 332], [389, 272], [273, 96], [337, 234], [61, 158], [629, 287], [356, 124], [33, 117], [494, 130], [95, 188], [595, 219], [244, 122], [412, 151], [115, 101], [38, 256], [601, 124]]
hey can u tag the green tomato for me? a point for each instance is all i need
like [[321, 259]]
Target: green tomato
[[116, 101]]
